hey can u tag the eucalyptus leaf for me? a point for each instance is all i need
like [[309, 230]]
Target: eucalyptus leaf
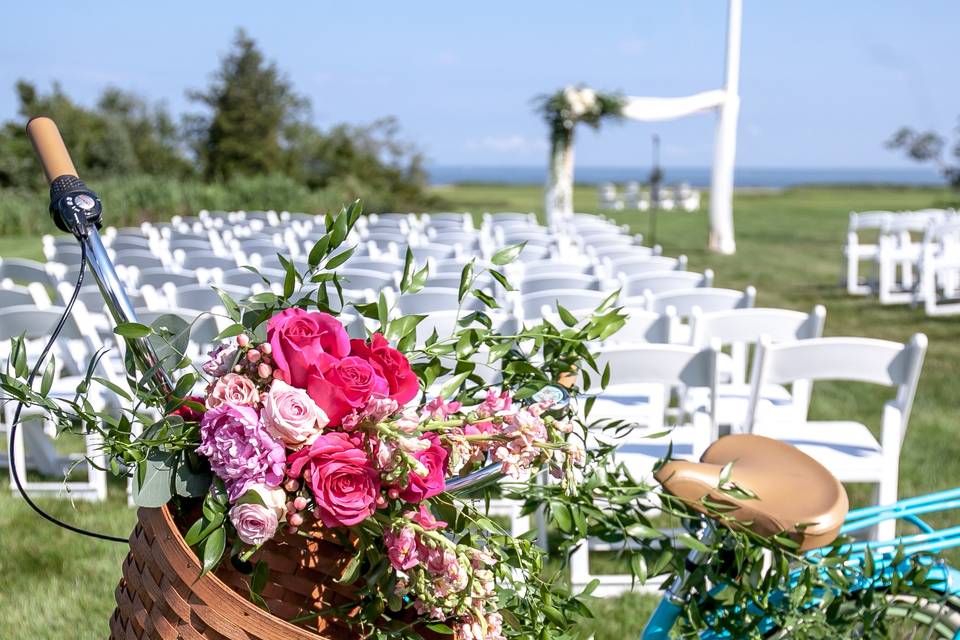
[[155, 487]]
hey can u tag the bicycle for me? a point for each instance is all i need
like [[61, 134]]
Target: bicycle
[[795, 488]]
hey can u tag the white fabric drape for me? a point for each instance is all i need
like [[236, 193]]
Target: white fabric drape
[[656, 109]]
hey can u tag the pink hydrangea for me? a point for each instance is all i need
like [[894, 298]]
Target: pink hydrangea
[[240, 450]]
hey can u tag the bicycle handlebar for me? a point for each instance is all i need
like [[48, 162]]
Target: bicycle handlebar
[[48, 143]]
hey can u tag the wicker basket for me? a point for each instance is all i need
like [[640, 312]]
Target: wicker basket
[[162, 595]]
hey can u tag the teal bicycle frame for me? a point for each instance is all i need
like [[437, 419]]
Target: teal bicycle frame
[[929, 540]]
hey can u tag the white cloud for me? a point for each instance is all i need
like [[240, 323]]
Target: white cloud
[[509, 143]]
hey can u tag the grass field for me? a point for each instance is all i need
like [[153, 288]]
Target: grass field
[[56, 585]]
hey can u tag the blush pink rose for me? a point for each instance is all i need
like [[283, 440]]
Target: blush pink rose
[[344, 386], [255, 523], [290, 415], [391, 365], [235, 389], [297, 340], [344, 484], [434, 459]]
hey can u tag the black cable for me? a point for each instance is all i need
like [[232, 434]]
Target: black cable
[[16, 415]]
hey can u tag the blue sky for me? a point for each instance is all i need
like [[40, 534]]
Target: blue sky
[[823, 83]]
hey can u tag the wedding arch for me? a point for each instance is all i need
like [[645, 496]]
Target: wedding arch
[[568, 107]]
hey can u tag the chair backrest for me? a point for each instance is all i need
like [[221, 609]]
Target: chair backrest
[[13, 295], [383, 264], [204, 260], [660, 281], [23, 271], [157, 277], [549, 282], [430, 300], [636, 265], [246, 278], [869, 220], [553, 267], [202, 297], [675, 366], [643, 327], [880, 362], [139, 258], [706, 299], [740, 329], [359, 279], [531, 306]]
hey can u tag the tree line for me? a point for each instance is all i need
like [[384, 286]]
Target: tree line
[[251, 126]]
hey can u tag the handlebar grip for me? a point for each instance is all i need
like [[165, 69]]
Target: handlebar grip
[[50, 148]]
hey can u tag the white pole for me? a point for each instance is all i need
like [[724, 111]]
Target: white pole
[[725, 147]]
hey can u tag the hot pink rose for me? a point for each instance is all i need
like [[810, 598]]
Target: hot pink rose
[[297, 338], [434, 459], [291, 415], [344, 485], [391, 365], [344, 386], [233, 388]]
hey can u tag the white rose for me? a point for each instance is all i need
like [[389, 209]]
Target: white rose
[[273, 497]]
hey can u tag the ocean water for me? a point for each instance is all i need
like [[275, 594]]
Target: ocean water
[[695, 176]]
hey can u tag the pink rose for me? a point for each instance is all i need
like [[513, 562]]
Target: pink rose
[[298, 338], [434, 459], [290, 415], [402, 548], [344, 386], [344, 485], [233, 388], [391, 365], [255, 523]]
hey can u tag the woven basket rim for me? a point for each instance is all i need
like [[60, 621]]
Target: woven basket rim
[[233, 606]]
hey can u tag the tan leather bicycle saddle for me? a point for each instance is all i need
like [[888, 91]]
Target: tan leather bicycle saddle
[[795, 494]]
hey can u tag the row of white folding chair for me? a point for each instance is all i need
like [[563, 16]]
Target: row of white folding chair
[[894, 251], [34, 450], [939, 270]]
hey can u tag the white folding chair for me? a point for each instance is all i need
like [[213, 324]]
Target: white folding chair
[[705, 299], [847, 448], [34, 449], [549, 282], [643, 264], [738, 330], [635, 370], [940, 270], [530, 308], [645, 284], [642, 327], [856, 250]]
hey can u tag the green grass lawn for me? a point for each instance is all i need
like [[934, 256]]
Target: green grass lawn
[[57, 585]]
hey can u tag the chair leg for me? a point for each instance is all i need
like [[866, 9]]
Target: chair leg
[[885, 493]]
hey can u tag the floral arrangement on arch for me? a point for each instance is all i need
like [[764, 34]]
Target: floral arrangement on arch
[[564, 109]]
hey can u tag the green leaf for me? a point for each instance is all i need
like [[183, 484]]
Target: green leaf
[[502, 279], [466, 277], [690, 542], [507, 254], [213, 548], [189, 483], [318, 251], [132, 330], [640, 530], [258, 580], [561, 514], [339, 259], [114, 388], [153, 482], [408, 267], [439, 627], [567, 317], [553, 615], [230, 332], [454, 383], [351, 571], [47, 382], [289, 277]]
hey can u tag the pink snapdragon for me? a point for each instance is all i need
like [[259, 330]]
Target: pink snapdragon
[[402, 548]]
